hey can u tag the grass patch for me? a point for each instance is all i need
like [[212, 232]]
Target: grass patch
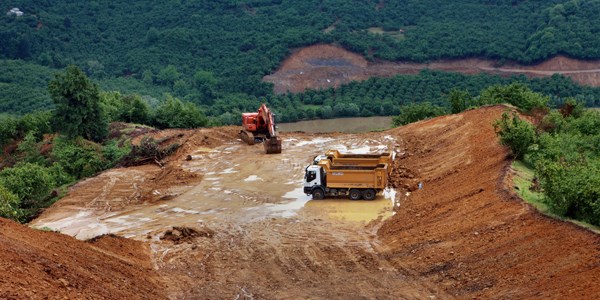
[[522, 181]]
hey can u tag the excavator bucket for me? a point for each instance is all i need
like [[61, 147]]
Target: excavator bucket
[[272, 145]]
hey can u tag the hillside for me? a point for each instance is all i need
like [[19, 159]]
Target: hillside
[[206, 51], [49, 265], [466, 229], [325, 66], [215, 229]]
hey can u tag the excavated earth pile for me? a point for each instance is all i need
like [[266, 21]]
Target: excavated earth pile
[[466, 231], [47, 265]]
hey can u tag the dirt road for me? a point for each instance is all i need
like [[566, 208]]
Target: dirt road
[[233, 223], [324, 66]]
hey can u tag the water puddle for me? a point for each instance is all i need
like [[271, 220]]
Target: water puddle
[[356, 211], [252, 178], [314, 141]]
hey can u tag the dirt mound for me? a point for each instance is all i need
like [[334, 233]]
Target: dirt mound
[[180, 235], [42, 265], [324, 66], [468, 232]]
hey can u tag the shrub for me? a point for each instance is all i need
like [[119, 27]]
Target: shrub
[[174, 113], [31, 183], [79, 158], [9, 205], [112, 153], [415, 112], [8, 129], [516, 94], [515, 133], [572, 190], [134, 110]]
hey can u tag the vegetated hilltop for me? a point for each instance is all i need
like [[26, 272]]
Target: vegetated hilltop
[[466, 229], [42, 265], [204, 51]]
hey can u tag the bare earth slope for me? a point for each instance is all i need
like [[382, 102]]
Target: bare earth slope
[[467, 232], [233, 223], [48, 265], [323, 66]]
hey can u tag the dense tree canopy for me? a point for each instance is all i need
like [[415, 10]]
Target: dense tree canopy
[[208, 52]]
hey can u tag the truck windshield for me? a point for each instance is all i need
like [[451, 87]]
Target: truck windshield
[[310, 176]]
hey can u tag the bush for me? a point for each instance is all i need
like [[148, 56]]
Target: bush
[[112, 153], [79, 158], [134, 110], [174, 113], [415, 112], [29, 148], [516, 94], [515, 133], [572, 190], [8, 129], [9, 205], [31, 183]]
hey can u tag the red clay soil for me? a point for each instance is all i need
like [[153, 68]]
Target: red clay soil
[[47, 265], [117, 188], [468, 232], [324, 66]]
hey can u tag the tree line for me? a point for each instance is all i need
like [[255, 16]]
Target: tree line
[[207, 50]]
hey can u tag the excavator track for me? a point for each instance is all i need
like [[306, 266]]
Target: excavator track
[[247, 137]]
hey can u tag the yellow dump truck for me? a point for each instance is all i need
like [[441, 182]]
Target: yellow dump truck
[[361, 160], [357, 182]]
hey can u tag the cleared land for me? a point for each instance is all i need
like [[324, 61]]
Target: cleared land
[[323, 66], [233, 222]]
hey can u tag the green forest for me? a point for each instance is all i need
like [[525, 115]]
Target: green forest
[[215, 53]]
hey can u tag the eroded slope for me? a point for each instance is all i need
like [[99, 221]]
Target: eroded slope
[[467, 231], [48, 265]]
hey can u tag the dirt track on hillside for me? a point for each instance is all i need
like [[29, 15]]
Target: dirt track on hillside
[[233, 222], [323, 66]]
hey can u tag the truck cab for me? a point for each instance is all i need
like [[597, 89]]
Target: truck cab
[[318, 158], [314, 178]]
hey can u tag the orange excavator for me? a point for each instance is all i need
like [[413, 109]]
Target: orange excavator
[[260, 127]]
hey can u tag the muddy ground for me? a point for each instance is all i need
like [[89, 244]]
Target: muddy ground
[[230, 222], [324, 66]]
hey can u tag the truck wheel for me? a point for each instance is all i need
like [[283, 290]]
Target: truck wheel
[[355, 194], [369, 194], [318, 194]]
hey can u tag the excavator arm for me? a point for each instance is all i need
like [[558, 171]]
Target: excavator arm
[[272, 143]]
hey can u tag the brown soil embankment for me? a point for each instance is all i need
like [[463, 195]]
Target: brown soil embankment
[[48, 265], [466, 231], [324, 66]]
